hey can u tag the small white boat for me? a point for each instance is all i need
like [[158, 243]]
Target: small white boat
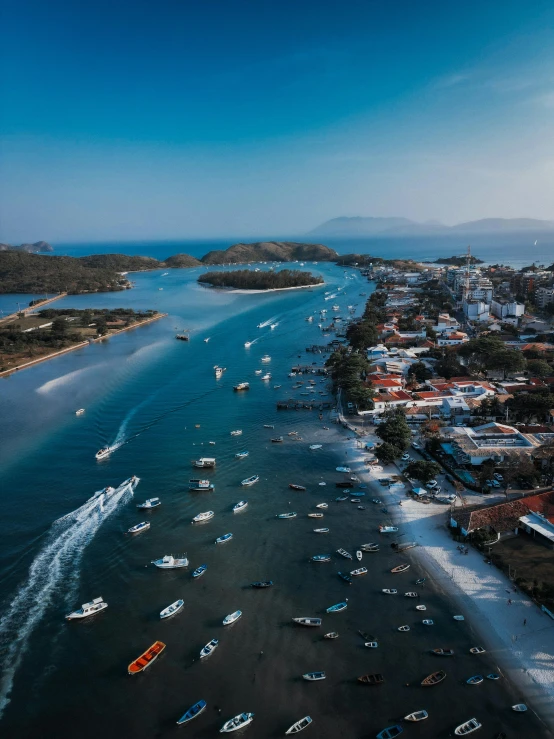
[[323, 506], [172, 609], [411, 595], [169, 562], [149, 504], [137, 528], [292, 514], [458, 618], [344, 553], [241, 455], [468, 727], [231, 618], [224, 538], [238, 722], [390, 591], [421, 608], [203, 516], [88, 609], [299, 725], [403, 628], [104, 452], [267, 376], [250, 480], [209, 648], [248, 344], [219, 371], [519, 708], [321, 531], [359, 555], [371, 644], [240, 506], [273, 326], [316, 446], [238, 432], [369, 547], [266, 358], [80, 412], [428, 622], [315, 515], [344, 469], [416, 716], [314, 676], [477, 650], [331, 635], [359, 571], [306, 621], [388, 529], [207, 339], [258, 372]]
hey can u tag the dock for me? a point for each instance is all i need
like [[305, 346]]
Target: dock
[[293, 404], [311, 369]]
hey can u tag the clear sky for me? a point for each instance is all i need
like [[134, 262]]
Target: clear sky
[[173, 118]]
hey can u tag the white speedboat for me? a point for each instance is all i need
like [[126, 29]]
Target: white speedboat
[[206, 340], [209, 648], [359, 555], [104, 452], [139, 527], [250, 480], [468, 727], [416, 716], [299, 725], [305, 621], [266, 358], [323, 506], [205, 516], [238, 722], [149, 504], [258, 372], [241, 386], [231, 618], [169, 562], [218, 371], [292, 514], [316, 446], [248, 344], [241, 455], [88, 609], [240, 506], [172, 609], [273, 326], [315, 515], [267, 376], [359, 571], [80, 412], [237, 432]]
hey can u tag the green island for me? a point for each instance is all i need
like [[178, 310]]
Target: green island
[[245, 279], [460, 261]]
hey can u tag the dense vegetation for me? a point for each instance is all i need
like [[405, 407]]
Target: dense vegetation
[[348, 371], [395, 434], [271, 251], [246, 279], [458, 261]]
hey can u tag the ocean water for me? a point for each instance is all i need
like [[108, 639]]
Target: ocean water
[[158, 401]]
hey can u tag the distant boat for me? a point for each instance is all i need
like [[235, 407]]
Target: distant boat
[[262, 584], [205, 462], [207, 339], [240, 506], [376, 679], [88, 609], [238, 722], [241, 386], [389, 591], [241, 455], [266, 358], [192, 712], [369, 547], [428, 622], [269, 425], [104, 452], [403, 628], [248, 344], [293, 486], [267, 376], [80, 412], [434, 678], [149, 504], [519, 708], [337, 608], [292, 514], [421, 608], [344, 553], [231, 618], [346, 577], [321, 558], [493, 676], [416, 716], [258, 372], [146, 658], [224, 538], [315, 515], [316, 446], [299, 725], [411, 595], [443, 652], [468, 727], [390, 732], [199, 571], [314, 676], [458, 618], [169, 562], [388, 529], [205, 516], [274, 325], [331, 635], [371, 644], [477, 650], [201, 486], [277, 440], [139, 527], [475, 680], [219, 371], [172, 609], [323, 506], [321, 531], [209, 648], [182, 337], [303, 621], [343, 469], [400, 568], [359, 571], [238, 432]]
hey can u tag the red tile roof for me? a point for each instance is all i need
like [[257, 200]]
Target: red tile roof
[[504, 516]]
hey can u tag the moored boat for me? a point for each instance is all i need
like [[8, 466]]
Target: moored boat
[[137, 528], [238, 722], [359, 571], [475, 680], [199, 571], [345, 576], [222, 539], [314, 676], [299, 725], [421, 608], [359, 555], [390, 591], [337, 607], [293, 486], [236, 432], [262, 584], [323, 506], [88, 609], [172, 609], [315, 446], [306, 621], [149, 504], [371, 644], [468, 727], [331, 635], [277, 440], [292, 514], [376, 679], [192, 712], [369, 547], [390, 732], [241, 505], [411, 595], [321, 558], [403, 628], [400, 568], [250, 480], [80, 412], [434, 678], [315, 515], [443, 652], [321, 531], [266, 358], [519, 708], [417, 716], [344, 553], [231, 618], [241, 455], [428, 622], [209, 648], [146, 658], [458, 618], [169, 562], [201, 486], [241, 386], [477, 650], [204, 462], [388, 529], [205, 516]]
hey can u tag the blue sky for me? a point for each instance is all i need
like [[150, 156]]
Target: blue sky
[[181, 119]]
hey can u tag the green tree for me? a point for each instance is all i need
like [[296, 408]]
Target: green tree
[[59, 327], [86, 318], [422, 470], [387, 453], [539, 368], [395, 431], [420, 372], [506, 361], [449, 366], [362, 335]]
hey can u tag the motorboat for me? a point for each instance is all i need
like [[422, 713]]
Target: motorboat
[[133, 480], [321, 558], [475, 680], [139, 527], [315, 446], [411, 595], [205, 516], [205, 462], [519, 708], [79, 412], [428, 622], [240, 506], [149, 504], [468, 727], [493, 676], [420, 581], [458, 618], [237, 432], [371, 644], [219, 371], [337, 608], [277, 440], [262, 584], [169, 562], [388, 529], [323, 506], [421, 608], [417, 716], [359, 555], [477, 650], [231, 618], [344, 553], [390, 732], [443, 652], [390, 591], [305, 621], [315, 515], [266, 358], [209, 648], [344, 469], [192, 712], [104, 452], [400, 568], [250, 480], [199, 571], [88, 609], [238, 722], [258, 372], [369, 547], [248, 344], [241, 455], [403, 628], [274, 326], [172, 609], [314, 676], [361, 507], [359, 571], [293, 486], [434, 678], [376, 679], [146, 658], [321, 531], [345, 576], [201, 486], [267, 376], [222, 539], [331, 635], [241, 386], [269, 425], [292, 514], [299, 725]]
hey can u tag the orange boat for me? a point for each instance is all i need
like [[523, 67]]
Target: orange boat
[[146, 658]]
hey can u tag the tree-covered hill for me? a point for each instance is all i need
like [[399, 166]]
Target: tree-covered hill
[[245, 279]]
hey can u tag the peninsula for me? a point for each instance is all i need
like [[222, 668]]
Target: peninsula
[[245, 279], [271, 251]]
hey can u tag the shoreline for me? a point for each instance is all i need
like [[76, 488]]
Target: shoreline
[[268, 290], [80, 345]]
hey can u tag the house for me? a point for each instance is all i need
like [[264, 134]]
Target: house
[[446, 323], [452, 338], [490, 441]]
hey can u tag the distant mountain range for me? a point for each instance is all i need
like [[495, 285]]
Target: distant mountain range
[[360, 226]]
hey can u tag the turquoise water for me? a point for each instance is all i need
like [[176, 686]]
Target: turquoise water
[[158, 401]]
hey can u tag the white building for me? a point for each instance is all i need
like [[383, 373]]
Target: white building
[[507, 309], [476, 310], [451, 338], [544, 296]]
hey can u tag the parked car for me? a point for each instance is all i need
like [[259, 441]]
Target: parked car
[[406, 457], [495, 483], [432, 484], [498, 477], [415, 445]]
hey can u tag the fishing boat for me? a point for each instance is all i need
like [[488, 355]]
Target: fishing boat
[[477, 650], [222, 539], [299, 725], [209, 648], [277, 440], [443, 652], [323, 506], [315, 515], [390, 591], [337, 608], [268, 425], [305, 621], [104, 452], [241, 455], [180, 337], [411, 595], [80, 412], [417, 716], [266, 358], [146, 658], [400, 568], [292, 514], [519, 708], [231, 618], [192, 712], [315, 446], [420, 581], [421, 608], [201, 486], [238, 722], [345, 576], [331, 635], [240, 506], [369, 547], [293, 486], [493, 676], [321, 558], [388, 529], [262, 584], [219, 371], [321, 531], [199, 571], [371, 644], [241, 386], [434, 678], [314, 676], [139, 527], [172, 609], [359, 555], [88, 609], [359, 571], [403, 628], [458, 618], [344, 469], [344, 553], [475, 680], [149, 504], [468, 727], [205, 462], [169, 562], [205, 516], [428, 622], [376, 679], [237, 432], [390, 732], [250, 480]]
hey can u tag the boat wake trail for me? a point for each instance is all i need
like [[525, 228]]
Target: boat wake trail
[[58, 563], [267, 323]]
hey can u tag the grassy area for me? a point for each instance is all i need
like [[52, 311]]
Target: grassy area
[[529, 564]]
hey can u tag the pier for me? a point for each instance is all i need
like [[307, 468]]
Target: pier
[[293, 404], [311, 369]]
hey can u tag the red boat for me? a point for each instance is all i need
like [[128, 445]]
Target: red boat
[[146, 658]]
